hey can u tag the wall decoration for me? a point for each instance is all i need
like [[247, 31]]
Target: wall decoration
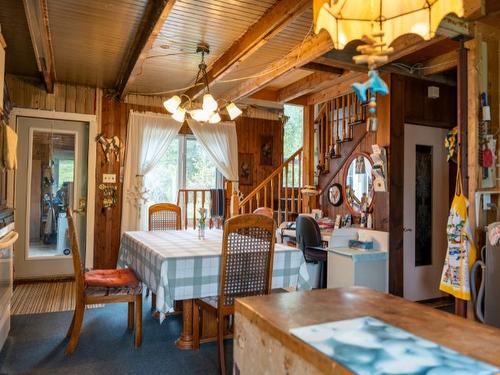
[[266, 150], [110, 146], [245, 169], [335, 195]]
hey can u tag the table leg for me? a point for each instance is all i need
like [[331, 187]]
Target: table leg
[[185, 341]]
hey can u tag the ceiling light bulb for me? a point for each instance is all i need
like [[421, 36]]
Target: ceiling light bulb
[[209, 103], [172, 104], [179, 114], [233, 111], [200, 115], [215, 118]]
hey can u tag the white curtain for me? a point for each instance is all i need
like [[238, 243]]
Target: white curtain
[[221, 144], [148, 137]]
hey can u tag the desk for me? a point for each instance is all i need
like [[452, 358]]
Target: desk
[[263, 344], [177, 266]]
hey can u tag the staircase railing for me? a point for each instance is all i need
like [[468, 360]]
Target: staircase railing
[[280, 191]]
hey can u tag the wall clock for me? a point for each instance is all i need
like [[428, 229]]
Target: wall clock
[[335, 196]]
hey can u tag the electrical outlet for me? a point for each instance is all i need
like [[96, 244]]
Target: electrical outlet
[[109, 178]]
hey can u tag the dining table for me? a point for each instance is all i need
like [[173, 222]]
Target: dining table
[[179, 266]]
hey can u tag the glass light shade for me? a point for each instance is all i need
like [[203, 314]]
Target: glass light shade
[[348, 20], [209, 103], [179, 114], [200, 115], [215, 118], [233, 111], [172, 104]]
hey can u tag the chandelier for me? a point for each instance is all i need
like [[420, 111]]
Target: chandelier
[[209, 110]]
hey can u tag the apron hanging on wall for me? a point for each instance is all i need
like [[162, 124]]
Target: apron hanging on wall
[[461, 252]]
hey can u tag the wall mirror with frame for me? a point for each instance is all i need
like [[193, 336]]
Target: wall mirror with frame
[[358, 183]]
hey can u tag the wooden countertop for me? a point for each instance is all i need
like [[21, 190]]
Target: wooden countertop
[[277, 313]]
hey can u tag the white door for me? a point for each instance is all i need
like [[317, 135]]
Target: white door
[[426, 207], [52, 175]]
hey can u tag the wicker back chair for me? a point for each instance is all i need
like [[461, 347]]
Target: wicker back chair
[[245, 270], [164, 216]]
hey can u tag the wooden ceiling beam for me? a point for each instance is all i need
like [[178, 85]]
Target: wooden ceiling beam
[[318, 67], [344, 82], [311, 48], [303, 86], [269, 25], [155, 15], [441, 63], [38, 24], [340, 86]]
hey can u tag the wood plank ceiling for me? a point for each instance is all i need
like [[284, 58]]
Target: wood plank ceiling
[[148, 46]]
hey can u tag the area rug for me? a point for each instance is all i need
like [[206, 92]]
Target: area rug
[[44, 297]]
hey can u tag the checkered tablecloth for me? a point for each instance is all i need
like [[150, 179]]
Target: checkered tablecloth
[[176, 265]]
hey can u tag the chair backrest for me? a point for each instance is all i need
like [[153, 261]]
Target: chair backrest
[[75, 251], [164, 216], [266, 211], [307, 232], [247, 257]]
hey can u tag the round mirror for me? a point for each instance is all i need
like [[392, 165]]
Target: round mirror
[[358, 183]]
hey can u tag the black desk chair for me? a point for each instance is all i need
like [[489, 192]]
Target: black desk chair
[[309, 241]]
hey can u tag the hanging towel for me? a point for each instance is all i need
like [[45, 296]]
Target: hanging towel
[[9, 145], [461, 252]]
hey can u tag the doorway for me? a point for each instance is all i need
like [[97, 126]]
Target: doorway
[[56, 170], [426, 206]]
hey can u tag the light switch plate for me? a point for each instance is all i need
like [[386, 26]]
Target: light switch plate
[[109, 178]]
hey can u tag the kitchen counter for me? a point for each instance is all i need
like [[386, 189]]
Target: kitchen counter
[[264, 345]]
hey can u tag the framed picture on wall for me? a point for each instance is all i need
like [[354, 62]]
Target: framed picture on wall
[[245, 168], [266, 150]]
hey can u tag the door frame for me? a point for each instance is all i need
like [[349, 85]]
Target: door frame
[[91, 167]]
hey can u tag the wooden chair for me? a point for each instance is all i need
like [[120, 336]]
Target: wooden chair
[[102, 286], [266, 211], [245, 270], [164, 216]]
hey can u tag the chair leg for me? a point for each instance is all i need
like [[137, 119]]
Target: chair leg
[[138, 320], [131, 315], [77, 325], [68, 334], [153, 301], [196, 326], [220, 344]]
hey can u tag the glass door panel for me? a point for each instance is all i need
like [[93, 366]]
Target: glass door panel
[[52, 178]]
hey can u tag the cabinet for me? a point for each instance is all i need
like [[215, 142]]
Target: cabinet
[[351, 267]]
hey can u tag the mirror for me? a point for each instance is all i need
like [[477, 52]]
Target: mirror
[[358, 183]]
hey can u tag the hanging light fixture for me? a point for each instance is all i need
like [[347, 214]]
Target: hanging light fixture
[[347, 20], [209, 110]]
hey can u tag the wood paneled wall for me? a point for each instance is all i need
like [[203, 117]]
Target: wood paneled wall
[[366, 140], [250, 131], [30, 93], [406, 93], [108, 221]]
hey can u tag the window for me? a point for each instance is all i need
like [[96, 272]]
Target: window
[[185, 164], [293, 132], [293, 138], [162, 181]]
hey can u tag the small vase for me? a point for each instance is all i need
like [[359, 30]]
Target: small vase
[[201, 232]]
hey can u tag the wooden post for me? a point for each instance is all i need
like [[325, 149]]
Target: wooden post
[[308, 163], [461, 305]]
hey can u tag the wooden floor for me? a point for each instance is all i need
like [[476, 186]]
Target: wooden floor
[[44, 297]]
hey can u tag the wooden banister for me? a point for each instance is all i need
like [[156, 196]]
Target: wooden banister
[[287, 190]]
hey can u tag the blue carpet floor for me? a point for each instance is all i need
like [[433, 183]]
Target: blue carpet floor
[[36, 345]]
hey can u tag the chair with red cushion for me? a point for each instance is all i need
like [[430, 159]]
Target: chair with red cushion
[[266, 211], [102, 286]]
